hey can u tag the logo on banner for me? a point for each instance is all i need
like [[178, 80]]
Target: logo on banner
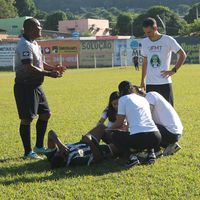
[[135, 44], [26, 53], [47, 50]]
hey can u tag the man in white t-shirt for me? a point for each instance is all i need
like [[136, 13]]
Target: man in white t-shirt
[[143, 131], [167, 121], [157, 50]]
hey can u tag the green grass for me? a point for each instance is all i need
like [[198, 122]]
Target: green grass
[[76, 101]]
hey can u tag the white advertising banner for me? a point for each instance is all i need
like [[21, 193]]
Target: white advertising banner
[[7, 53], [134, 51], [120, 52]]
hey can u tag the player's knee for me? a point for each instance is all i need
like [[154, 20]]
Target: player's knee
[[45, 116], [26, 121]]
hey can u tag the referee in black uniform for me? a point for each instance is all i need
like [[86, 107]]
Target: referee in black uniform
[[29, 96]]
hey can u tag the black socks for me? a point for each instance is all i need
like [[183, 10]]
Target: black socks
[[41, 127], [25, 136]]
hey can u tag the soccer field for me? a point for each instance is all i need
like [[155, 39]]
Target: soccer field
[[77, 101]]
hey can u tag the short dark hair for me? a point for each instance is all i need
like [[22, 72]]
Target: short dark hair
[[125, 88], [29, 22], [149, 22], [57, 161]]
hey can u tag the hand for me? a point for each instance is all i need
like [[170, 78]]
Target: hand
[[55, 74], [61, 69], [167, 73]]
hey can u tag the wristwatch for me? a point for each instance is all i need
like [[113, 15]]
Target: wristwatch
[[174, 69]]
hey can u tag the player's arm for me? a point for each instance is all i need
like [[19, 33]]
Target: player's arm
[[119, 122], [48, 67], [181, 56], [95, 151], [144, 73], [101, 121], [53, 141], [29, 67]]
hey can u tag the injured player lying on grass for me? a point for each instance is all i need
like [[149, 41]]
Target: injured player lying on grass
[[85, 152]]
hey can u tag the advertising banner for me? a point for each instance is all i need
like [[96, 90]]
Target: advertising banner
[[120, 52], [134, 51], [65, 52], [96, 53], [7, 53]]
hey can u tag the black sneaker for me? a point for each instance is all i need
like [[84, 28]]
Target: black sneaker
[[132, 161], [151, 158], [159, 153]]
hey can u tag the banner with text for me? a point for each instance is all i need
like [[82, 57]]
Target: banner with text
[[7, 53], [65, 52], [96, 52]]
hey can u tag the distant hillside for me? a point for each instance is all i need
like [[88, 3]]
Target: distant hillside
[[75, 5]]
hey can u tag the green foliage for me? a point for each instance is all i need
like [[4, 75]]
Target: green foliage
[[26, 7], [51, 22], [183, 9], [76, 102], [50, 5], [123, 25], [195, 27], [7, 9], [192, 28], [70, 15], [172, 21], [192, 15], [41, 14]]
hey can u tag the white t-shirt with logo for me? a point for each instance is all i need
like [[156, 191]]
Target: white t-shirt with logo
[[163, 113], [137, 112], [158, 55]]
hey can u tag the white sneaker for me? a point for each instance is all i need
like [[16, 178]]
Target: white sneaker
[[33, 155], [171, 149], [41, 150]]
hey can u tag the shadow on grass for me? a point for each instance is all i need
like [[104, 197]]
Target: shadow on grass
[[41, 171]]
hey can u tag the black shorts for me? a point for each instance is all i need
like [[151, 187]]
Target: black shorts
[[30, 101], [165, 90], [124, 141], [167, 137]]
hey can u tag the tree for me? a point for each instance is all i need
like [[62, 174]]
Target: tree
[[26, 7], [51, 22], [41, 14], [183, 9], [124, 23], [195, 27], [7, 9], [171, 20], [193, 13]]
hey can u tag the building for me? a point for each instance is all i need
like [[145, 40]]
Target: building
[[93, 27], [13, 26]]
